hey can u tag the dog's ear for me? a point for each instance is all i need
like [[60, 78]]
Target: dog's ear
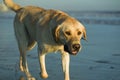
[[84, 34], [56, 33]]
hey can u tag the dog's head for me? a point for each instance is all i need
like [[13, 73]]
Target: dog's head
[[69, 33]]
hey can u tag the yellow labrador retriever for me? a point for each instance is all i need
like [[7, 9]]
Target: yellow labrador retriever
[[52, 30]]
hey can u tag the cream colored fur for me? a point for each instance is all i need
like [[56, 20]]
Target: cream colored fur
[[52, 30]]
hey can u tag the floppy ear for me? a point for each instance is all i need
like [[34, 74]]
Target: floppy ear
[[57, 33], [84, 34]]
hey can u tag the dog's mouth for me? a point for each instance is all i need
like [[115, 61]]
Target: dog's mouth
[[73, 50]]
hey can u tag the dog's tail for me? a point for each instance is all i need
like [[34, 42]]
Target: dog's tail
[[13, 6]]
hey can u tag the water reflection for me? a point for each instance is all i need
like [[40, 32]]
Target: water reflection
[[22, 78]]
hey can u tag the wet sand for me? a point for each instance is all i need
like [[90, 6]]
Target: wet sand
[[98, 60]]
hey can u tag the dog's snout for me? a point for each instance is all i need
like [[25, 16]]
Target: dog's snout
[[76, 46]]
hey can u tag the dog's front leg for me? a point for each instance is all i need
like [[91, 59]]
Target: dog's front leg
[[65, 65], [42, 65]]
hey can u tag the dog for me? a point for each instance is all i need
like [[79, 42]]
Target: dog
[[52, 30]]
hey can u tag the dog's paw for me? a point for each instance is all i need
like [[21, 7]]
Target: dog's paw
[[44, 75]]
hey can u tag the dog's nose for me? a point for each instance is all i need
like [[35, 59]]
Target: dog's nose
[[76, 46]]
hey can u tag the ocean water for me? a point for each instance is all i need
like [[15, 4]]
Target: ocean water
[[98, 60]]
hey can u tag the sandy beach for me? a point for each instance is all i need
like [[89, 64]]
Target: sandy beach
[[98, 60]]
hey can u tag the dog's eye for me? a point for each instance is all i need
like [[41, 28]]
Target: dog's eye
[[68, 33], [79, 33]]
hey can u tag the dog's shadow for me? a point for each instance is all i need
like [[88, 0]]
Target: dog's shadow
[[22, 78], [25, 78], [18, 74]]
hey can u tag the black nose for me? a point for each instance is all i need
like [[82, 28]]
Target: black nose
[[76, 46]]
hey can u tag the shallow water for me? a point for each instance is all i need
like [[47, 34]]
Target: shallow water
[[98, 60]]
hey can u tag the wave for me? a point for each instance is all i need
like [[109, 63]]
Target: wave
[[97, 17], [92, 17]]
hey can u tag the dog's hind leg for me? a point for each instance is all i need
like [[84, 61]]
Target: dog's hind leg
[[22, 39], [24, 65], [23, 61]]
